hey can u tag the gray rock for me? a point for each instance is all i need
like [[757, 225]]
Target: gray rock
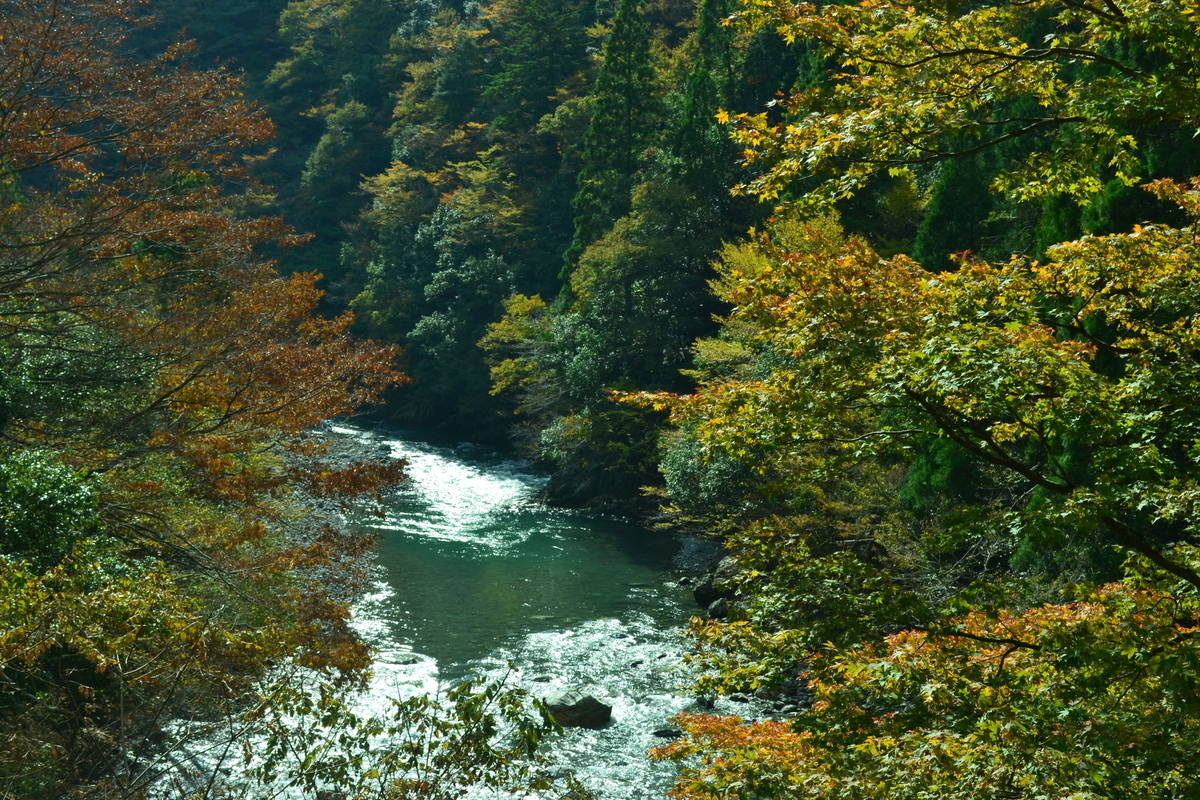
[[718, 609], [572, 708], [668, 733], [727, 568], [769, 692], [705, 593], [697, 555], [713, 586]]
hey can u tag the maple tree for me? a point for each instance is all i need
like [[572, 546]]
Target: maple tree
[[935, 471], [913, 84], [1024, 367], [1092, 698], [160, 380], [1067, 384], [474, 734]]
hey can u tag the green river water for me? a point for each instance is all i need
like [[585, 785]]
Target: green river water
[[473, 575]]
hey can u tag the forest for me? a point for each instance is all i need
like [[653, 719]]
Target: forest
[[898, 301]]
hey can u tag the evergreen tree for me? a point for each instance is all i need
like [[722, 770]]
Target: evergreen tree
[[701, 153], [543, 62], [542, 45], [457, 87], [1059, 222], [714, 40], [623, 124], [955, 219], [1168, 151]]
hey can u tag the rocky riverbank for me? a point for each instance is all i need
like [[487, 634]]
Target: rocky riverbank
[[709, 569], [348, 574]]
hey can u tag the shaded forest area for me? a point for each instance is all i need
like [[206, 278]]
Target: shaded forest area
[[560, 163]]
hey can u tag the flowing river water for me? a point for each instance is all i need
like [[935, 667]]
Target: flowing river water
[[473, 576]]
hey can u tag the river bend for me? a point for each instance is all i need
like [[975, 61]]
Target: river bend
[[474, 575]]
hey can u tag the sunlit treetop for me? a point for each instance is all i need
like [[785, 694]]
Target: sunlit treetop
[[912, 84]]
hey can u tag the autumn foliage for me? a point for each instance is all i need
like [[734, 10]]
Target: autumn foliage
[[1094, 698], [961, 494], [160, 378], [1079, 85], [967, 649]]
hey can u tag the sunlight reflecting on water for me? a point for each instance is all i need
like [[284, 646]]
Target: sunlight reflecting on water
[[477, 579]]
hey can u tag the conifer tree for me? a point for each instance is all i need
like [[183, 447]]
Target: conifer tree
[[714, 41], [542, 46], [623, 124], [701, 152], [956, 218]]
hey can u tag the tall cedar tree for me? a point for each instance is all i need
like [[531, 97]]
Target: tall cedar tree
[[541, 46], [623, 125], [701, 148]]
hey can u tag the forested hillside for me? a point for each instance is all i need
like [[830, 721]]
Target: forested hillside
[[559, 160], [528, 198]]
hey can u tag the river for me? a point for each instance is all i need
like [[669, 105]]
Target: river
[[473, 575]]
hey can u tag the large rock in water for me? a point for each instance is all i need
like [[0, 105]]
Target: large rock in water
[[574, 709]]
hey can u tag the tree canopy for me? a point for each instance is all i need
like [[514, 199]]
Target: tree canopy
[[915, 84]]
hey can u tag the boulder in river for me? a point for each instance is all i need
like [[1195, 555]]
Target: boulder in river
[[572, 708], [697, 555], [705, 593]]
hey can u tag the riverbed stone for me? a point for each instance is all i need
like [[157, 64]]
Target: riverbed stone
[[769, 692], [726, 569], [713, 586], [705, 593], [718, 609], [697, 555], [572, 708]]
